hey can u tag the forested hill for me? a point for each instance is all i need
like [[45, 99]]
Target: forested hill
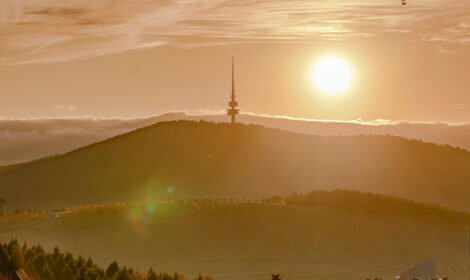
[[320, 235], [201, 159]]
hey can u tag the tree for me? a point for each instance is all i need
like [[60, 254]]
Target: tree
[[112, 269], [151, 275], [56, 254], [124, 274], [17, 259], [68, 258], [59, 266], [67, 273], [80, 262], [89, 263], [176, 276], [4, 259], [93, 275]]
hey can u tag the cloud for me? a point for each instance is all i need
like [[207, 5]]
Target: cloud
[[46, 31], [66, 108], [28, 139]]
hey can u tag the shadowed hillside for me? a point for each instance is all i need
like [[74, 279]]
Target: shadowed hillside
[[327, 235], [200, 159]]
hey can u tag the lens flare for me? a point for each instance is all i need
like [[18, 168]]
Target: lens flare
[[151, 207]]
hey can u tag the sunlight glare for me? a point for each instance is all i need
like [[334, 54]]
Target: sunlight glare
[[331, 75]]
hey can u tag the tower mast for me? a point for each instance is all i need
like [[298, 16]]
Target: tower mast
[[233, 111]]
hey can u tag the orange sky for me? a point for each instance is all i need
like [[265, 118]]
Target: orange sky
[[139, 58]]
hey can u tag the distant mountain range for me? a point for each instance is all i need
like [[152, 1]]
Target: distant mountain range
[[202, 159], [29, 139]]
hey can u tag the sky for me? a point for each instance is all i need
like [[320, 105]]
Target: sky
[[130, 59]]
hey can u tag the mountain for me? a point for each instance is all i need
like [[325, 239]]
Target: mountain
[[23, 140], [201, 159], [327, 235]]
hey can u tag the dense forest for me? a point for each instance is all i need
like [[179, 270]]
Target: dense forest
[[39, 264], [187, 159]]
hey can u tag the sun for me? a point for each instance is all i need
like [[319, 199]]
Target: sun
[[331, 75]]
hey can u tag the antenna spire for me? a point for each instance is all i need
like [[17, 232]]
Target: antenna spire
[[233, 79], [233, 111]]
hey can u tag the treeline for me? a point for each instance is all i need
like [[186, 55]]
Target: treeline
[[378, 204], [39, 264], [349, 200]]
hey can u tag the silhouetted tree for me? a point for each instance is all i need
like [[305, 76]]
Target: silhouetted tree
[[112, 269], [4, 259], [151, 275], [17, 259], [124, 274]]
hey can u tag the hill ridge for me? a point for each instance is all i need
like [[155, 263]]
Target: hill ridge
[[219, 159]]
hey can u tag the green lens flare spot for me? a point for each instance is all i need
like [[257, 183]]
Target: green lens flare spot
[[151, 208]]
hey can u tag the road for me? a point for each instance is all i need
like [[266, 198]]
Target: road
[[52, 217]]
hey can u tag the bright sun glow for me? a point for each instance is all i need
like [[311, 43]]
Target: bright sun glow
[[331, 75]]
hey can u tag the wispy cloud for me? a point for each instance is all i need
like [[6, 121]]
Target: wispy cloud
[[62, 107], [42, 31]]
